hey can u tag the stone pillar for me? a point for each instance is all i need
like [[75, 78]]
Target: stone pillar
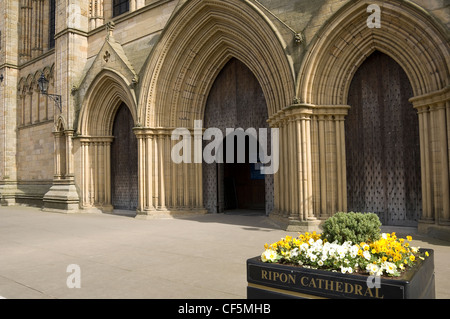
[[8, 137], [95, 184], [9, 60], [136, 4], [96, 15], [329, 164], [444, 216], [57, 154], [293, 189], [166, 189], [427, 207], [311, 183], [72, 25], [434, 127], [62, 196]]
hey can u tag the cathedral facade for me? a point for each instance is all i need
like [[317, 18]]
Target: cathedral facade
[[357, 92]]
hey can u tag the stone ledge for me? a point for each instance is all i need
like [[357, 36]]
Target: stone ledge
[[294, 225], [437, 231], [169, 214], [62, 198]]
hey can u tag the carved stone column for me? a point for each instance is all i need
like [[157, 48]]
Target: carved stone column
[[63, 195], [329, 163], [293, 189], [311, 183], [434, 128], [98, 182], [166, 189]]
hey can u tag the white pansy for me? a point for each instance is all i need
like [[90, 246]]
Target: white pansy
[[346, 269], [366, 254], [354, 251], [304, 247], [293, 253], [332, 252], [389, 267], [269, 255], [372, 269]]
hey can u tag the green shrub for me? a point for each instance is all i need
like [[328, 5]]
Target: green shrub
[[354, 227]]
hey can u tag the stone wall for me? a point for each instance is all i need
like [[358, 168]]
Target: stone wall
[[35, 152]]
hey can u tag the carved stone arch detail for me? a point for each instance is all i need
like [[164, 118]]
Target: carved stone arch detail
[[200, 38], [105, 94], [29, 83], [408, 34], [60, 124], [101, 102], [35, 82], [49, 72], [21, 86], [419, 43]]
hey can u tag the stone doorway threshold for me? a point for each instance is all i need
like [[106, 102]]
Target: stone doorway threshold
[[240, 212], [245, 212]]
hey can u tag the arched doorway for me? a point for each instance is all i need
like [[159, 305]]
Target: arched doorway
[[243, 183], [236, 100], [124, 162], [382, 143]]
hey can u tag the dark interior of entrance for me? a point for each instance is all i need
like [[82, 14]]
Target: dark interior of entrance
[[244, 186], [382, 143], [124, 162], [236, 100]]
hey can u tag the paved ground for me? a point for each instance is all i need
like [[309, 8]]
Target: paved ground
[[122, 257]]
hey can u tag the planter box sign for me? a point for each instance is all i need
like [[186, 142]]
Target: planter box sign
[[267, 280]]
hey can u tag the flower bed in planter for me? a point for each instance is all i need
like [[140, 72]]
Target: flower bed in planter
[[309, 267]]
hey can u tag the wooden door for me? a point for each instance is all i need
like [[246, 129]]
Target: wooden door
[[124, 170], [382, 143], [236, 100]]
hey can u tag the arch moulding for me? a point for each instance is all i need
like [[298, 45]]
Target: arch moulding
[[201, 37], [408, 34], [102, 100], [198, 41], [420, 45], [105, 94]]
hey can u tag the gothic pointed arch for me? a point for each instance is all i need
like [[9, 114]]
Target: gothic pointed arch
[[102, 100], [419, 44], [106, 94], [199, 40], [60, 124], [408, 34]]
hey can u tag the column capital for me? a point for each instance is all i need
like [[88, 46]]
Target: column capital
[[428, 100]]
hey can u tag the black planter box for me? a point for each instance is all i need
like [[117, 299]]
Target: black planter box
[[267, 280]]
